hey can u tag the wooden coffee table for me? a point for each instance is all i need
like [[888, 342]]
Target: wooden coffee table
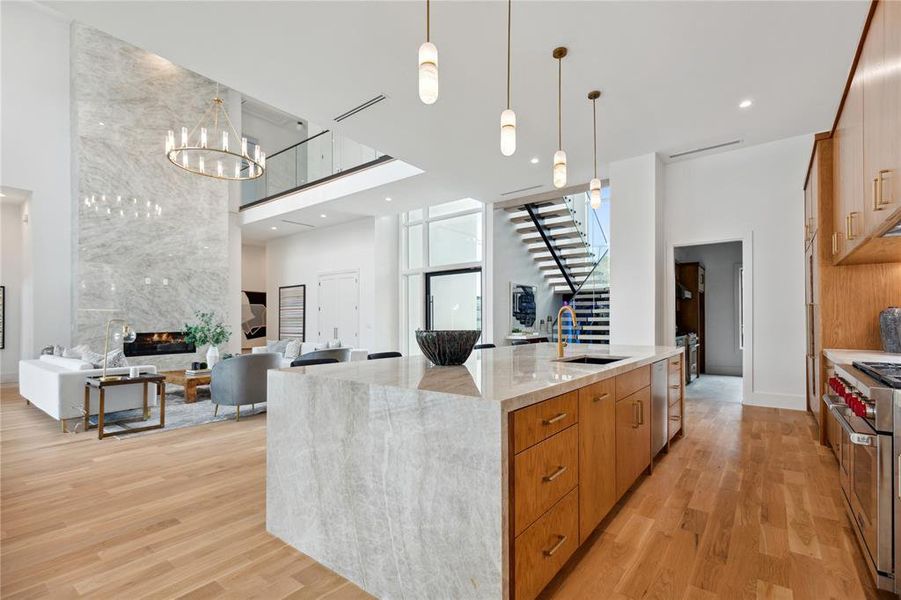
[[189, 382]]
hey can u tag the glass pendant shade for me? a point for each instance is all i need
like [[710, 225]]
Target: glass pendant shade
[[594, 189], [508, 132], [428, 73], [559, 169]]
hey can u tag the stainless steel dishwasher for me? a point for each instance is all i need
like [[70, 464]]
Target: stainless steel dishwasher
[[659, 407]]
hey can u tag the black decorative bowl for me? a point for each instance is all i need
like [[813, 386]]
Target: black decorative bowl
[[447, 347]]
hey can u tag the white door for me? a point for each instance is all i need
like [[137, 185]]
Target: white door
[[339, 309]]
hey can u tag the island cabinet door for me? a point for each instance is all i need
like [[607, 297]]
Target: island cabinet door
[[597, 455], [633, 438]]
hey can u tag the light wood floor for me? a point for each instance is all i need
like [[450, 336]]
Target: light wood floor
[[746, 506]]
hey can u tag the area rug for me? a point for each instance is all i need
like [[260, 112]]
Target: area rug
[[178, 413]]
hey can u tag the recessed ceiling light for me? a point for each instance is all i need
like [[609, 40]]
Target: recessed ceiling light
[[322, 215], [745, 104], [534, 160], [2, 195], [101, 123], [273, 228], [387, 198]]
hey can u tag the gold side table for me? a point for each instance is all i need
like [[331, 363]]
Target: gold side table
[[144, 379]]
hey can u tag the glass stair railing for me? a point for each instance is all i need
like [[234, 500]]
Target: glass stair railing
[[315, 159]]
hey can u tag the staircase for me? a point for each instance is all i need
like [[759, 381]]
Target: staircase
[[556, 236]]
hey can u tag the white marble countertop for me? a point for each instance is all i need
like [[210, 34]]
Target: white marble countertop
[[840, 356], [513, 376]]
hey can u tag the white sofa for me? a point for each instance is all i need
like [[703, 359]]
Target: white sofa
[[56, 386], [307, 347]]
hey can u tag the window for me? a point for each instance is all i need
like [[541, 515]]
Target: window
[[442, 257]]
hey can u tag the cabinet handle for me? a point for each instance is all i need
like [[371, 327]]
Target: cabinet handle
[[876, 201], [850, 225], [834, 243], [555, 547], [675, 387], [635, 415], [882, 178], [641, 412], [556, 419], [601, 397], [560, 470]]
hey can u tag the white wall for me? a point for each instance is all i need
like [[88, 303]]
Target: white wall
[[354, 246], [722, 354], [753, 195], [636, 258], [11, 276], [34, 102], [512, 263]]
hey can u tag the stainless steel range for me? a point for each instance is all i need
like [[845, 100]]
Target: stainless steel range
[[865, 398]]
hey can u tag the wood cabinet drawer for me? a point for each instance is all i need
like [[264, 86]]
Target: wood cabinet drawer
[[542, 475], [544, 547], [632, 381], [674, 391], [540, 421], [675, 419], [675, 363]]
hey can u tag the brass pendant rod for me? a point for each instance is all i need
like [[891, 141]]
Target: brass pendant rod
[[594, 126], [428, 9], [559, 104], [509, 10]]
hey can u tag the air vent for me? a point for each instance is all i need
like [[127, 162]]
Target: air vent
[[704, 149], [362, 107], [298, 223], [525, 189]]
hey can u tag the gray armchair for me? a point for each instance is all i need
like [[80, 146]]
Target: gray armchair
[[339, 354], [241, 380]]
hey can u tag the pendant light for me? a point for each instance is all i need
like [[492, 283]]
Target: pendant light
[[594, 188], [428, 64], [508, 117], [559, 155]]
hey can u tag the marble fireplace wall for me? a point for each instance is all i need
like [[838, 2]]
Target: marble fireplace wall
[[153, 246]]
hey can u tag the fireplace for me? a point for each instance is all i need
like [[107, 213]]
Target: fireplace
[[156, 343]]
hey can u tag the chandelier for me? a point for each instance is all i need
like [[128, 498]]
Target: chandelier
[[206, 149]]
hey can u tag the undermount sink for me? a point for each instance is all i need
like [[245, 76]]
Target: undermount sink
[[592, 360]]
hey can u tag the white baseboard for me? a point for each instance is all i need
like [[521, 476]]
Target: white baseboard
[[10, 377], [770, 400]]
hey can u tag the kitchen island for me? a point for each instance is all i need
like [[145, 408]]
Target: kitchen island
[[416, 481]]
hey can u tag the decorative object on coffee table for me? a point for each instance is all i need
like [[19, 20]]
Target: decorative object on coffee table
[[128, 335], [100, 385], [890, 328], [208, 330], [187, 381], [447, 347]]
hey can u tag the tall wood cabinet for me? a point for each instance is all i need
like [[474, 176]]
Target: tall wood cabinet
[[867, 147]]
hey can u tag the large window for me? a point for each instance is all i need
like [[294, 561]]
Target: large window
[[442, 261]]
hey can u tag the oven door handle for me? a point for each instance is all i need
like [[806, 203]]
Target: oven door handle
[[838, 410]]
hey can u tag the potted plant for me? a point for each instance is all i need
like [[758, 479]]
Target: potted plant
[[207, 330]]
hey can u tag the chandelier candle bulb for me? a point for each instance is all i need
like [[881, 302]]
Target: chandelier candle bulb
[[184, 159], [219, 168], [203, 139], [244, 147], [225, 141], [170, 141], [184, 136], [200, 164], [256, 153]]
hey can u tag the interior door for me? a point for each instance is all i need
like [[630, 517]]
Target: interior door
[[339, 313]]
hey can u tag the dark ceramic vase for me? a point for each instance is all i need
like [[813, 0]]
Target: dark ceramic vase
[[447, 347], [890, 328]]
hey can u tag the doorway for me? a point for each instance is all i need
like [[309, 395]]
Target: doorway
[[453, 299], [339, 308], [709, 292]]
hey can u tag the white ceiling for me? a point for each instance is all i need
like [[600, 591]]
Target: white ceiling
[[672, 75]]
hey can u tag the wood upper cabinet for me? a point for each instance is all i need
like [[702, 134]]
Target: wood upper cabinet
[[597, 455], [633, 438], [811, 208], [847, 213]]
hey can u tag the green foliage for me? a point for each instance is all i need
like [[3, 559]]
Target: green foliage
[[207, 330]]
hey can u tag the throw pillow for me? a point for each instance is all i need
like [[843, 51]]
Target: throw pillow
[[58, 350], [75, 352], [114, 359], [292, 349], [277, 346], [334, 343]]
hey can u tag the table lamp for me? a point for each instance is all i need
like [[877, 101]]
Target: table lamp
[[128, 335]]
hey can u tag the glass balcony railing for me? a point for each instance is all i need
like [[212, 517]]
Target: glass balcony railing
[[592, 225], [316, 158]]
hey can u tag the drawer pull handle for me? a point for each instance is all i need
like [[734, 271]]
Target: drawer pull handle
[[560, 471], [553, 550], [675, 387], [641, 412], [556, 419], [601, 397]]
